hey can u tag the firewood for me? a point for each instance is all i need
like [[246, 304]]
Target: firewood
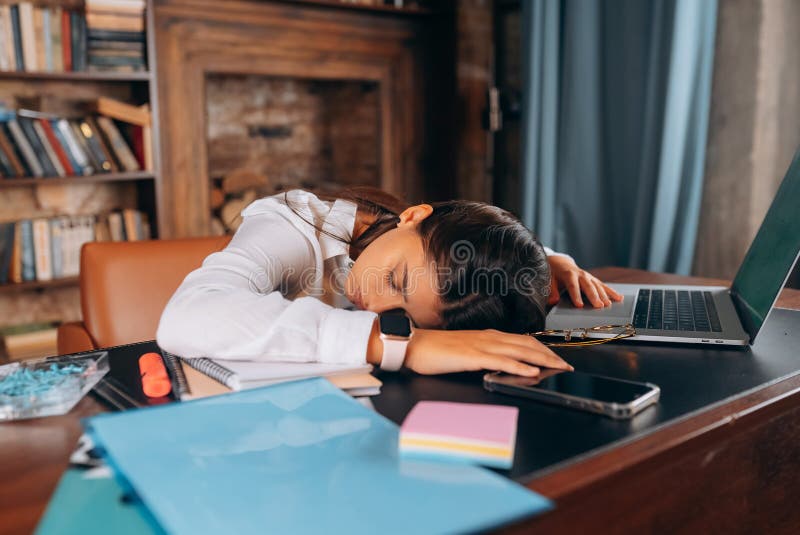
[[217, 198], [241, 179], [231, 209], [217, 228]]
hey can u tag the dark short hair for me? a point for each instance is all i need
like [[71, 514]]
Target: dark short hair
[[492, 272]]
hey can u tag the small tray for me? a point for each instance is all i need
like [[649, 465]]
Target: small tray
[[49, 386]]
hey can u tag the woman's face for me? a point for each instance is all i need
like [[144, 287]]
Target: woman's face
[[392, 272]]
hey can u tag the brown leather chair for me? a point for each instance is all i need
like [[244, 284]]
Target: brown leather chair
[[124, 287]]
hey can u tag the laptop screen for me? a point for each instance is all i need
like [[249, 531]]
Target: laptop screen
[[768, 262]]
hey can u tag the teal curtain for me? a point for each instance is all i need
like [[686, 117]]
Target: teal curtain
[[615, 116]]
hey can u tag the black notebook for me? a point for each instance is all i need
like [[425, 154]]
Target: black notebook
[[121, 388]]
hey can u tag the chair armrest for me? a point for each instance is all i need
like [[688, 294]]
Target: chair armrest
[[74, 338]]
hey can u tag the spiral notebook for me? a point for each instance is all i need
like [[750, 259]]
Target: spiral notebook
[[243, 375]]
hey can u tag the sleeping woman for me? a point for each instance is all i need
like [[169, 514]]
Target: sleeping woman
[[362, 278]]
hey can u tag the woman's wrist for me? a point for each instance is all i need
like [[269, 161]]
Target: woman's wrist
[[375, 346]]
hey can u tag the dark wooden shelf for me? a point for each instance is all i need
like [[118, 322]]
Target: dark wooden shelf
[[37, 285], [100, 177], [379, 8], [85, 76]]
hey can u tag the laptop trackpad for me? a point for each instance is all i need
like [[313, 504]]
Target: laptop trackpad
[[616, 313]]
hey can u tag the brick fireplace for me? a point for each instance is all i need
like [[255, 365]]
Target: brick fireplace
[[282, 133], [298, 94]]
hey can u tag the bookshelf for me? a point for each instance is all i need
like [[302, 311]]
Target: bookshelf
[[140, 76], [58, 93], [37, 285], [100, 177]]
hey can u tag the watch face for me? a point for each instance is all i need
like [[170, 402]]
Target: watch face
[[395, 324]]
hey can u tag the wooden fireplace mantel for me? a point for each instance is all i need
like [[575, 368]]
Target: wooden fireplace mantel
[[408, 57]]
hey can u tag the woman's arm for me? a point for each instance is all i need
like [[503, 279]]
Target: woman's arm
[[231, 306]]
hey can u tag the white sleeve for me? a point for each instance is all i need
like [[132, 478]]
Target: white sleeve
[[230, 307], [549, 252]]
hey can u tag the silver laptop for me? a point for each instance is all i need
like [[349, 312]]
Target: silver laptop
[[708, 314]]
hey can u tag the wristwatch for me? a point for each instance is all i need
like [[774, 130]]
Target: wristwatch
[[395, 329]]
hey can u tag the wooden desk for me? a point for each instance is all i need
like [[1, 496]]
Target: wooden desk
[[732, 467]]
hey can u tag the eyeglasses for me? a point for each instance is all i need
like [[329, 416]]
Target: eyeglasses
[[614, 332]]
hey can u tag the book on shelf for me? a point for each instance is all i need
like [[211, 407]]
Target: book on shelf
[[44, 249], [15, 268], [116, 35], [105, 35], [36, 144], [31, 340], [43, 254], [6, 249]]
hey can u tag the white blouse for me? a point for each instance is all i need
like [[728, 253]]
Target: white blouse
[[266, 296]]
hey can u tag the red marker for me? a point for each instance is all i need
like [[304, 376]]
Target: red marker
[[155, 380]]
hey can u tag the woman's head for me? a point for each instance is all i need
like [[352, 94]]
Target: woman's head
[[452, 265]]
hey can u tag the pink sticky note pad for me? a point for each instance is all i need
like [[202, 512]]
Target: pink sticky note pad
[[465, 421]]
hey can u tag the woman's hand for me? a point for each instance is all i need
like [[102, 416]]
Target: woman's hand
[[565, 273], [437, 351]]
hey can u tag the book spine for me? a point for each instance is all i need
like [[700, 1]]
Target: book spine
[[38, 148], [5, 32], [129, 46], [68, 247], [118, 144], [66, 39], [58, 149], [15, 269], [16, 28], [38, 35], [56, 235], [6, 250], [49, 150], [13, 153], [74, 147], [84, 145], [25, 148], [101, 231], [111, 157], [115, 22], [115, 61], [107, 35], [95, 148], [70, 164], [147, 143], [41, 247], [78, 55], [28, 258], [28, 36], [115, 226], [48, 40], [55, 39], [6, 168], [129, 219], [214, 370]]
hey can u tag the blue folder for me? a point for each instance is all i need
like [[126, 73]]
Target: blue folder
[[299, 457], [85, 504]]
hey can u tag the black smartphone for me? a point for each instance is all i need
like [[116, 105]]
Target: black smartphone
[[612, 397]]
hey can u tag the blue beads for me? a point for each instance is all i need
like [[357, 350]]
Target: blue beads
[[25, 381]]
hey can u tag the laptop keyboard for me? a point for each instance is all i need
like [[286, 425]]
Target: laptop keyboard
[[676, 310]]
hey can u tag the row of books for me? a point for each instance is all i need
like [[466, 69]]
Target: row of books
[[34, 144], [44, 249], [109, 35], [117, 34]]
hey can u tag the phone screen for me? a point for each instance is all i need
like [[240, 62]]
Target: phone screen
[[582, 385]]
